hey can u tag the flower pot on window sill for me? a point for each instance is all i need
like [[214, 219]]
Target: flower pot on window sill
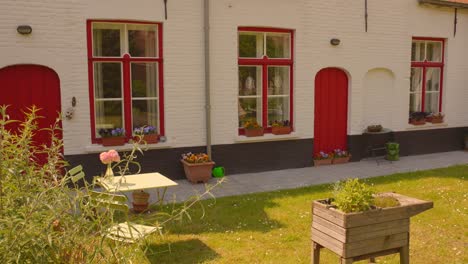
[[113, 141], [415, 122], [341, 160], [198, 172], [322, 162], [151, 138], [255, 132], [436, 120], [281, 130]]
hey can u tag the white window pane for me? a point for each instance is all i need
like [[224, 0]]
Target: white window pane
[[416, 79], [144, 80], [417, 51], [108, 115], [250, 45], [431, 103], [278, 109], [250, 109], [278, 80], [107, 80], [432, 79], [434, 51], [142, 40], [250, 80], [107, 40], [278, 45], [415, 102], [145, 113]]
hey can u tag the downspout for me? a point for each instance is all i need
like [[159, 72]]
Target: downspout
[[206, 13]]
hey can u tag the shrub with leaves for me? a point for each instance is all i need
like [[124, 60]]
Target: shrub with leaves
[[352, 196]]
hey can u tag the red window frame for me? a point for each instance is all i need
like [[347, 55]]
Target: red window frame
[[425, 64], [264, 63], [126, 59]]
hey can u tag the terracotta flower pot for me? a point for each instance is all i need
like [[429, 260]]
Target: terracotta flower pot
[[281, 130], [415, 122], [140, 201], [341, 160], [151, 138], [437, 120], [198, 172], [113, 141], [255, 132], [322, 162]]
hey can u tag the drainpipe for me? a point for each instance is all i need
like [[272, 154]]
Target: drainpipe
[[206, 13]]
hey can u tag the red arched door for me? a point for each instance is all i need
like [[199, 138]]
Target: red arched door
[[22, 86], [331, 110]]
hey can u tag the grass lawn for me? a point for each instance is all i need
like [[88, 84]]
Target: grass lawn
[[274, 227]]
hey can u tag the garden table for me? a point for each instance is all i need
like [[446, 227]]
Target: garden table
[[135, 182]]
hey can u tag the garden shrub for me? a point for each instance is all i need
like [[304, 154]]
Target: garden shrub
[[352, 196]]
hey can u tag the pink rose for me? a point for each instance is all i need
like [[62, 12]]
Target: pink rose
[[114, 155], [105, 158]]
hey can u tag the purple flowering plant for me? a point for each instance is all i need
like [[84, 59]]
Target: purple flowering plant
[[116, 132], [323, 155], [144, 130], [338, 153]]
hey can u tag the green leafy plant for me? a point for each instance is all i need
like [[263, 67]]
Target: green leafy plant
[[352, 196]]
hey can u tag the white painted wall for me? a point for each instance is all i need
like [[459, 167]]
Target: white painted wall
[[59, 42]]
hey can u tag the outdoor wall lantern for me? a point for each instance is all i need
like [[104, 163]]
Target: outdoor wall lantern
[[24, 29], [335, 41]]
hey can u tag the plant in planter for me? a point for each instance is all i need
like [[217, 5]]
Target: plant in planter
[[281, 127], [358, 224], [253, 129], [435, 118], [374, 128], [393, 151], [197, 167], [323, 158], [340, 156], [418, 118], [112, 137], [147, 134]]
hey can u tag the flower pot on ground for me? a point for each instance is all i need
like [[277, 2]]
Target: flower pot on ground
[[147, 133], [281, 127], [253, 129], [364, 230], [340, 156], [197, 167], [140, 201], [323, 158], [393, 151], [112, 137]]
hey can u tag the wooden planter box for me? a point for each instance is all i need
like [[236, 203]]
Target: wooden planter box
[[322, 162], [341, 160], [418, 122], [256, 132], [281, 130], [363, 235], [198, 172], [113, 141]]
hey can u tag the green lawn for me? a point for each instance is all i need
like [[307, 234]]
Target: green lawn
[[274, 227]]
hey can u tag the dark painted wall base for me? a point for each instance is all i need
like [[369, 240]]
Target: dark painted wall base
[[277, 155]]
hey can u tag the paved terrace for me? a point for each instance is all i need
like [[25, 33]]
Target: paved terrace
[[239, 184]]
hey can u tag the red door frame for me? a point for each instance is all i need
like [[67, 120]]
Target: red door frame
[[331, 110]]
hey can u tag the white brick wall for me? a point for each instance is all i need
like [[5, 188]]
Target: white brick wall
[[59, 42]]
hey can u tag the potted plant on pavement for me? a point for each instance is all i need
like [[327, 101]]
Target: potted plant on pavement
[[253, 129], [197, 167], [323, 158], [357, 224], [112, 137], [281, 127], [340, 156], [147, 133]]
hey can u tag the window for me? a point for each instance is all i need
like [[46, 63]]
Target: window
[[427, 65], [125, 76], [265, 76]]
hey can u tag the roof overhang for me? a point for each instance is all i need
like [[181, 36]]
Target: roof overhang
[[455, 3]]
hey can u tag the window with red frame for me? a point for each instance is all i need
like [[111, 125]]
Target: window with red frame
[[427, 66], [265, 61], [125, 76]]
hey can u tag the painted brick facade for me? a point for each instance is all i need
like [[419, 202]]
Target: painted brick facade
[[383, 53]]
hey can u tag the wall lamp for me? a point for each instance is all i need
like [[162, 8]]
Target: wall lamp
[[335, 41], [24, 29]]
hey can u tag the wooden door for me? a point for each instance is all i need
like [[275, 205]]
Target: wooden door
[[22, 86], [331, 110]]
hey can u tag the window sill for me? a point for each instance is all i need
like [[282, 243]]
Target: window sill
[[427, 126], [127, 147], [266, 137]]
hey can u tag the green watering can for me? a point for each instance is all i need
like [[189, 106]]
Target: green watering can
[[218, 172], [393, 151]]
